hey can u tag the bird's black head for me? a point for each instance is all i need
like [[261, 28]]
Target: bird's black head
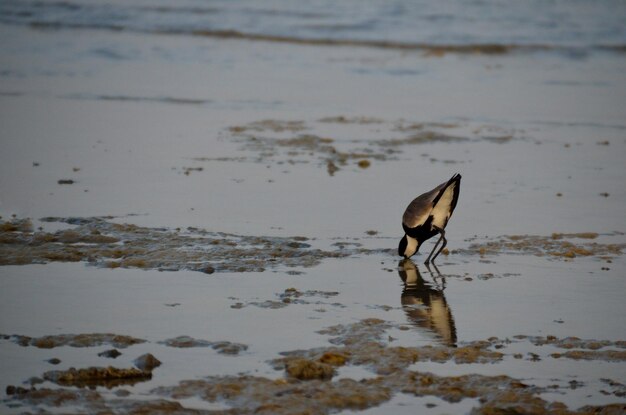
[[402, 246], [408, 246]]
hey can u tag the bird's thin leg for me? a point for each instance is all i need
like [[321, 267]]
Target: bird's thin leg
[[445, 242], [434, 248]]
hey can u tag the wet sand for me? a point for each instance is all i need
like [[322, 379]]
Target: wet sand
[[240, 226]]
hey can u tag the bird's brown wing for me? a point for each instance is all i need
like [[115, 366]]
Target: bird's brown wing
[[422, 206], [418, 210]]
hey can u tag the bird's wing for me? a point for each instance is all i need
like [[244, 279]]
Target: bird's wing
[[421, 207], [418, 210], [445, 204]]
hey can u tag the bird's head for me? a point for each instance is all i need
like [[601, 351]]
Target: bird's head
[[408, 246]]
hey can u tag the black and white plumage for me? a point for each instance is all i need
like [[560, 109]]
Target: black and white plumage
[[427, 215]]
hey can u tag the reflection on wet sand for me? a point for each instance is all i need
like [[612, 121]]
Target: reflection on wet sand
[[425, 305]]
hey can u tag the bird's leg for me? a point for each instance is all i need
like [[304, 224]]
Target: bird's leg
[[434, 248], [445, 241]]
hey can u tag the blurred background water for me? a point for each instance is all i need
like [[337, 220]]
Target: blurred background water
[[556, 23]]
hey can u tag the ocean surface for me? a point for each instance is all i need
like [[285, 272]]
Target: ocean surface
[[538, 23]]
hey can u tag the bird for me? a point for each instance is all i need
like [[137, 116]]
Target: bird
[[426, 216]]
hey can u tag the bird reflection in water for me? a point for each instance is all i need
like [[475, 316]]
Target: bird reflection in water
[[424, 303]]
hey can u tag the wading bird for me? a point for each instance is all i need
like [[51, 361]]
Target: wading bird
[[426, 216]]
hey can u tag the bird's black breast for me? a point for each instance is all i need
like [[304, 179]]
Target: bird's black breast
[[421, 232]]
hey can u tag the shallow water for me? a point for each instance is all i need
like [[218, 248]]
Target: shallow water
[[314, 152]]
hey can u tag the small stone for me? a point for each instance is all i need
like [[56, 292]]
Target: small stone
[[184, 342], [44, 343], [331, 167], [15, 390], [122, 393], [334, 358], [304, 369], [112, 353], [225, 347], [364, 164], [147, 362]]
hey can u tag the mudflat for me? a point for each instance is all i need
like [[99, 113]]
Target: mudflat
[[208, 223]]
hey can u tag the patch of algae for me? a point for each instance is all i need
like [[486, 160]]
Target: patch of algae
[[74, 340], [108, 377], [276, 126], [223, 347], [604, 355], [557, 245], [304, 147], [256, 395], [308, 386], [290, 296], [296, 142], [103, 243], [362, 344], [16, 225], [574, 342], [342, 119]]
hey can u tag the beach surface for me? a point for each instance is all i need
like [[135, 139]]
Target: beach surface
[[205, 218]]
